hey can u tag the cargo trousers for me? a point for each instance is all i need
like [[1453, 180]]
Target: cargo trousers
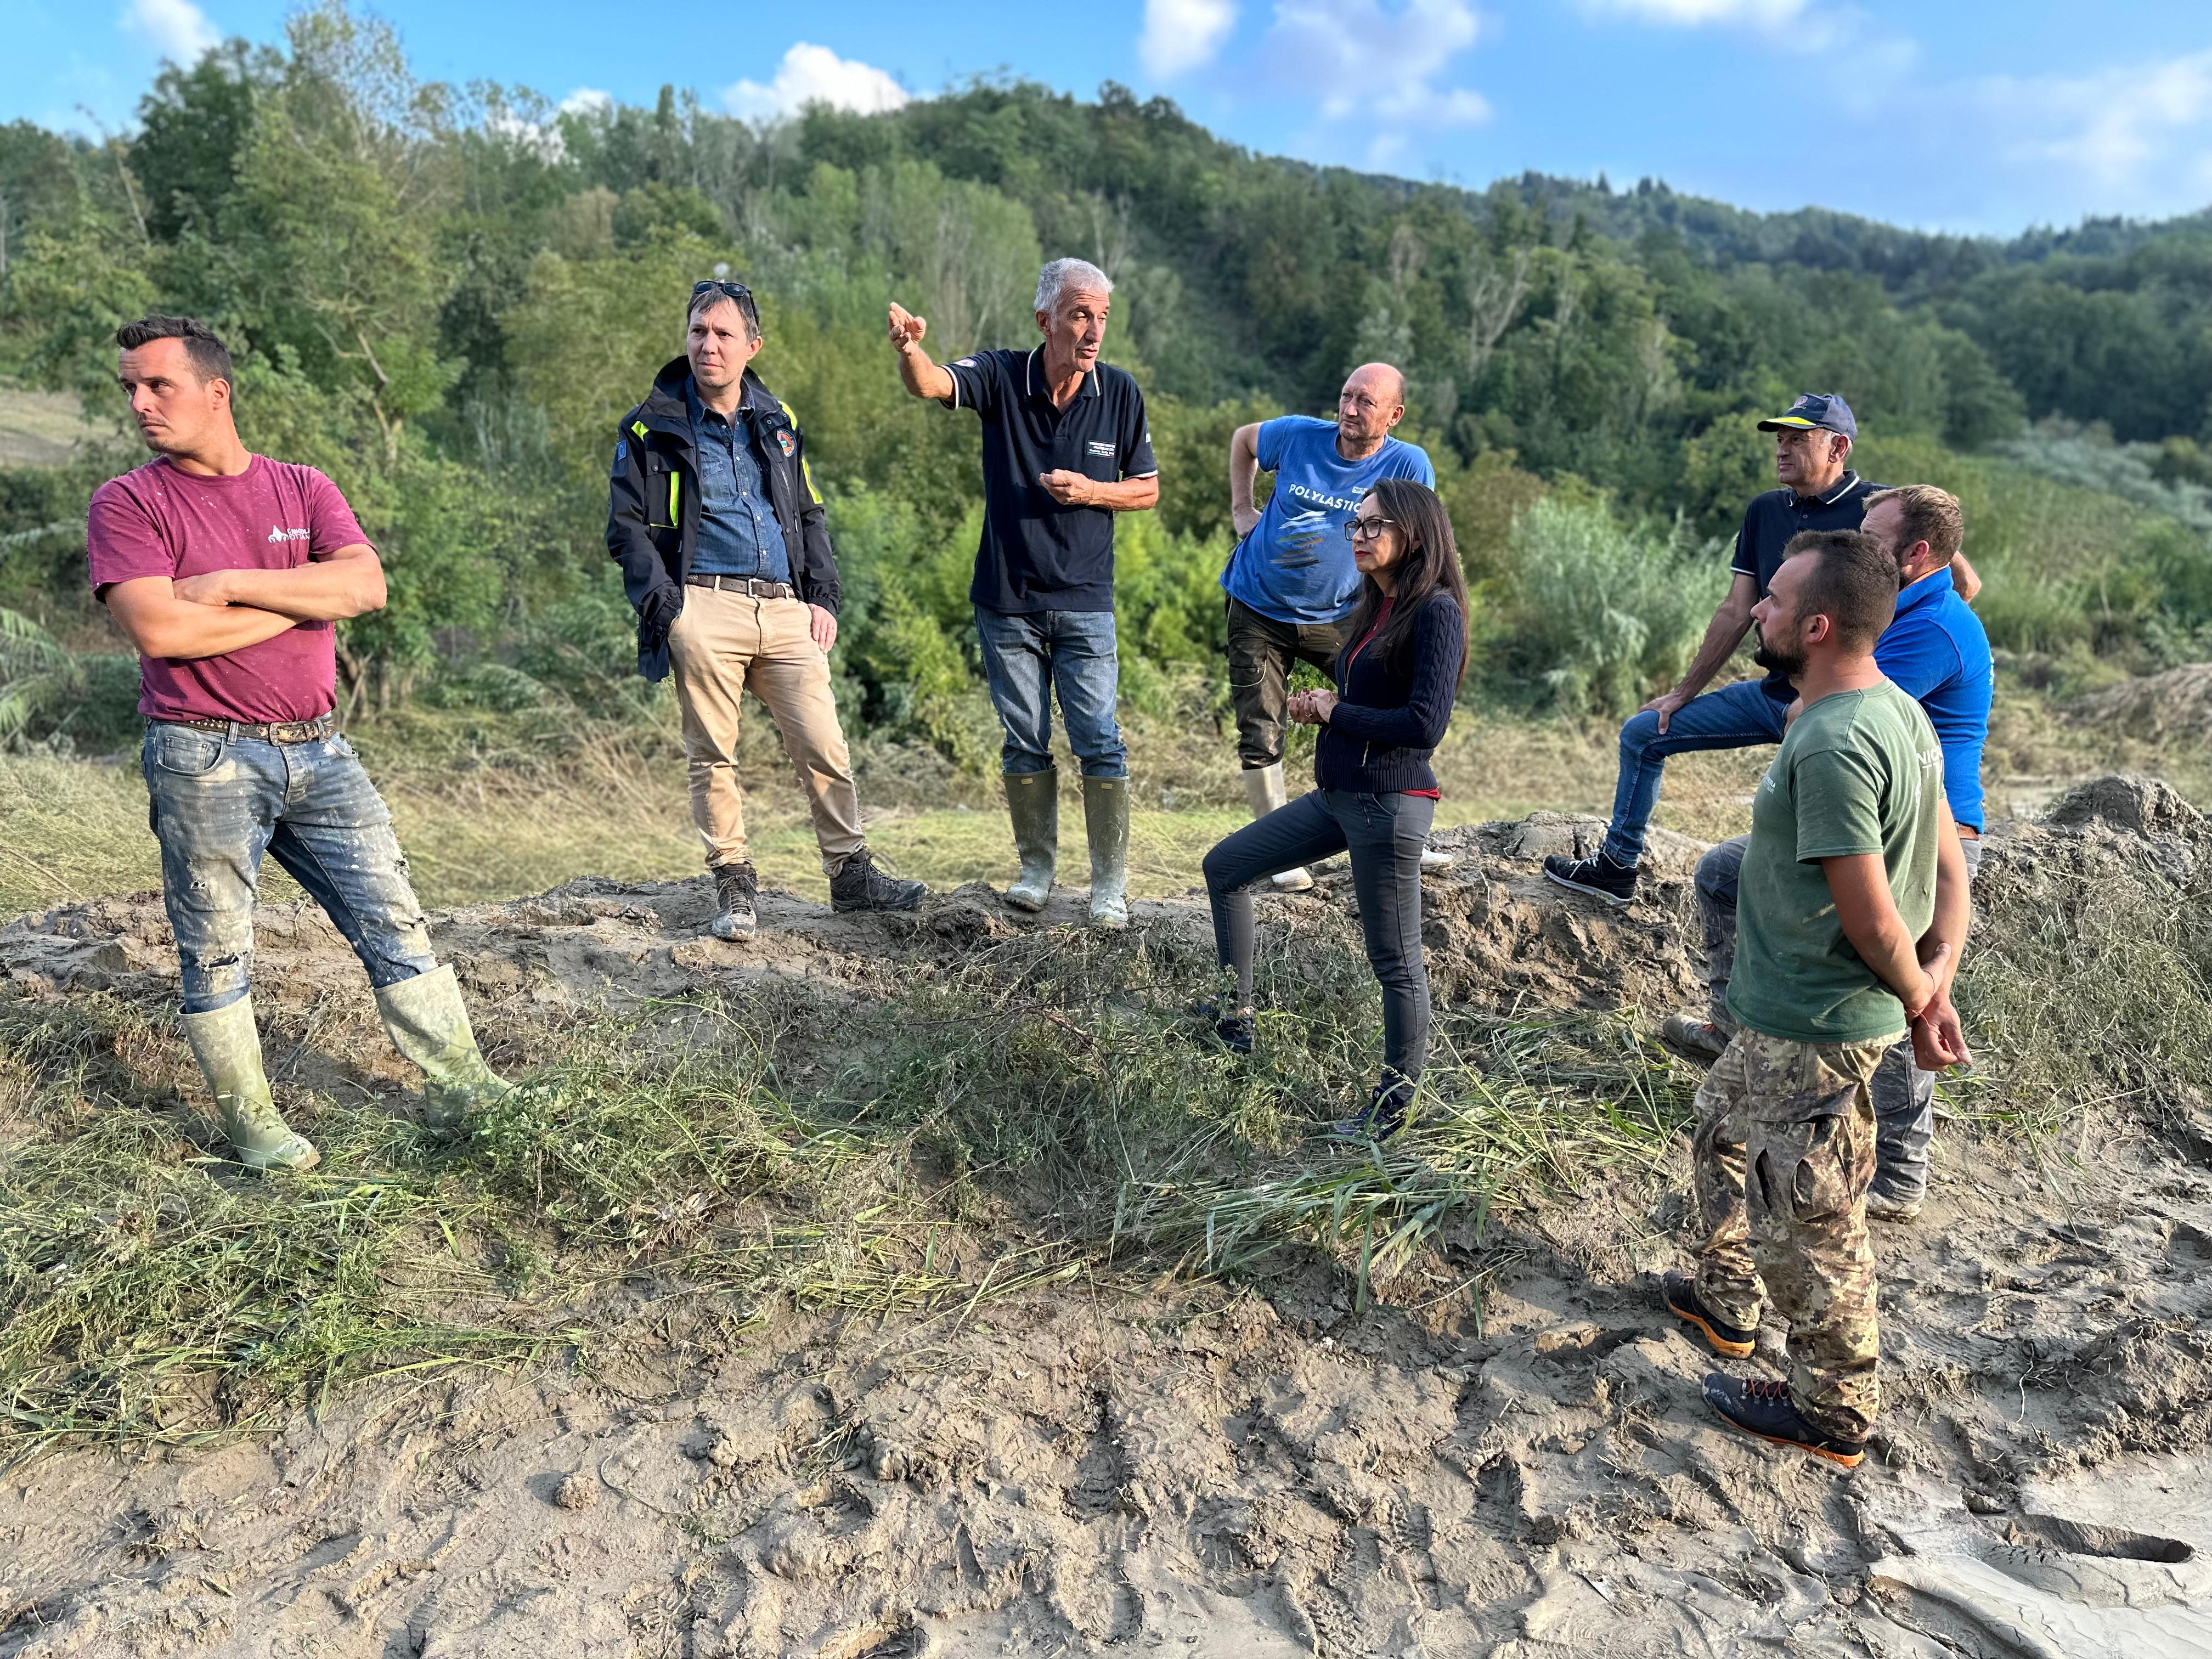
[[1784, 1153]]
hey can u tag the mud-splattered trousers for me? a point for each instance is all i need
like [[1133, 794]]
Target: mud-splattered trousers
[[1903, 1095], [1783, 1153], [218, 802]]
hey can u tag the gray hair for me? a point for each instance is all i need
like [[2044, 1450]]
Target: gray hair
[[704, 302], [1060, 275]]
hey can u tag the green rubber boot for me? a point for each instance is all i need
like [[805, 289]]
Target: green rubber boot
[[229, 1049], [1106, 819], [1033, 803], [429, 1025]]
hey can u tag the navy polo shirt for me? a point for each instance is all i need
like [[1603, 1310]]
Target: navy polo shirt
[[1036, 553], [1772, 519]]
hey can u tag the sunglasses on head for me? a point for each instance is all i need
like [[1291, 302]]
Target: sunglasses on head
[[737, 291]]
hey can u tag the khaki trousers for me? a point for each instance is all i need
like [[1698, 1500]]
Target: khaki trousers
[[723, 645]]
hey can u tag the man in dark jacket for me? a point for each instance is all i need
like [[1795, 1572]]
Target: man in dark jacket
[[725, 549]]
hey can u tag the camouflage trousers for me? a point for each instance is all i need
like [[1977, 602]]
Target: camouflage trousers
[[1784, 1152]]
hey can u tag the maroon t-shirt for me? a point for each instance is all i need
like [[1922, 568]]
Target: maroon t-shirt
[[158, 521]]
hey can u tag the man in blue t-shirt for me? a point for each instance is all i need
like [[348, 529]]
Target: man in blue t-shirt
[[1290, 581], [1935, 651]]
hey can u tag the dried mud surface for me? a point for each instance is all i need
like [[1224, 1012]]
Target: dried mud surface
[[1202, 1471]]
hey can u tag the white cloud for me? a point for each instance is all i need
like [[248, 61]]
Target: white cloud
[[2119, 128], [587, 100], [1359, 60], [815, 75], [1181, 35], [175, 28], [1698, 14]]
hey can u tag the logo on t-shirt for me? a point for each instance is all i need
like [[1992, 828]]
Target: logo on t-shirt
[[1097, 449], [288, 535]]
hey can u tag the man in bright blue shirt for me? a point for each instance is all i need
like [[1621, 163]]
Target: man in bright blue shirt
[[1935, 651], [1290, 581]]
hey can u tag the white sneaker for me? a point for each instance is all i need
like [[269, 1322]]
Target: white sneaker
[[1432, 861], [1292, 881]]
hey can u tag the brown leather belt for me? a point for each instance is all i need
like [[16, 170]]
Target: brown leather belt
[[752, 585], [274, 732]]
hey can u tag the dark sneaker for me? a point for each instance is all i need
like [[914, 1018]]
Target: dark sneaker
[[1385, 1112], [735, 887], [1600, 878], [858, 885], [1879, 1207], [1680, 1292], [1765, 1409], [1698, 1036], [1237, 1032]]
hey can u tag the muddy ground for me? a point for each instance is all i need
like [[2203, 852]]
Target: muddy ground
[[1199, 1469]]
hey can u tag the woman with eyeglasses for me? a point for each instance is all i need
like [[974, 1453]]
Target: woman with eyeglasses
[[1374, 794]]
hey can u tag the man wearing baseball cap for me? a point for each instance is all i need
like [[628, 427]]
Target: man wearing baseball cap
[[1813, 440]]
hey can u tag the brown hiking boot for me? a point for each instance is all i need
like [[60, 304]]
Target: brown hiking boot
[[735, 887]]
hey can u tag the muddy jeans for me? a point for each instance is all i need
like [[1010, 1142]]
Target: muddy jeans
[[724, 644], [1262, 652], [1782, 1155], [217, 803], [1384, 835], [1903, 1095]]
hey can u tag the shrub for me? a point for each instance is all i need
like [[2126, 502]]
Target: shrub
[[1601, 615]]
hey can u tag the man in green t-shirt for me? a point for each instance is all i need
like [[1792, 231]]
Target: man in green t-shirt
[[1851, 910]]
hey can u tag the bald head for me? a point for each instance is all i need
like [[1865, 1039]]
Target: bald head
[[1372, 402]]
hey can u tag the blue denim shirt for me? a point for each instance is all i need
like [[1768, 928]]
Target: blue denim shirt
[[738, 535]]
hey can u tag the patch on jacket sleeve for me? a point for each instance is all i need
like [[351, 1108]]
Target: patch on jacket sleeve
[[622, 456], [783, 442]]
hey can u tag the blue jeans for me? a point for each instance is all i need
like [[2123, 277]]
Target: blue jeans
[[1027, 656], [1385, 835], [217, 803], [1735, 717]]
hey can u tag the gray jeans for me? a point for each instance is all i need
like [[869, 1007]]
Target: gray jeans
[[1384, 835], [1903, 1095]]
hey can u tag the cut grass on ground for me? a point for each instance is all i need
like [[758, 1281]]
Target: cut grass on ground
[[1046, 1112]]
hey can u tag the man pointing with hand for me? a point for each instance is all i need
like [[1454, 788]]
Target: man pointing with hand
[[1066, 446]]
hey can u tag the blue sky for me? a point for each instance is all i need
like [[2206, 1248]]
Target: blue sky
[[1967, 116]]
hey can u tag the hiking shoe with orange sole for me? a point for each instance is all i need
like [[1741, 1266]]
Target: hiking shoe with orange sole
[[1765, 1409], [1729, 1341]]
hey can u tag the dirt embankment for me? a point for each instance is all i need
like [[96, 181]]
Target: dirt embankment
[[1214, 1472]]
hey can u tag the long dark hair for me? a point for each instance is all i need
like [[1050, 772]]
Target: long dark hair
[[1429, 566]]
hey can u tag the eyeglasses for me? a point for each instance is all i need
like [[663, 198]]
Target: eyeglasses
[[1366, 530]]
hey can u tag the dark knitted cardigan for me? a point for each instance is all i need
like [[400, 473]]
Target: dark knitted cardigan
[[1391, 707]]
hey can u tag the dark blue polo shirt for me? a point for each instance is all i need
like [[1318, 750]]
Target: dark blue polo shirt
[[1772, 519], [1037, 555]]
